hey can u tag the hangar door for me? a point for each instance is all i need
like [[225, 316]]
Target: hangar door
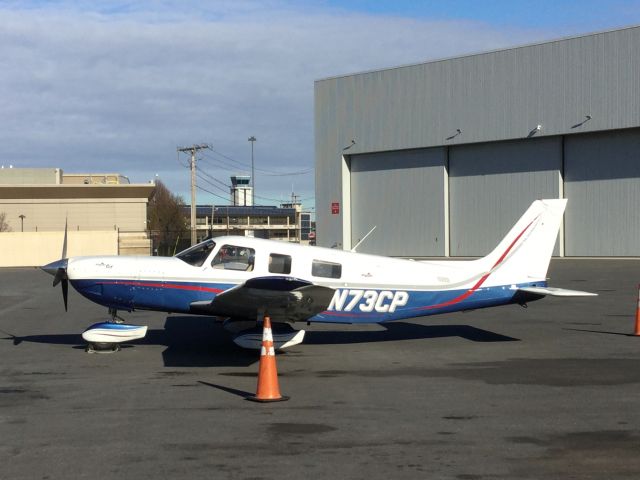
[[492, 184], [602, 183], [402, 194]]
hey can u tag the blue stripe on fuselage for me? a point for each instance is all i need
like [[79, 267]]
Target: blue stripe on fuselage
[[177, 297], [165, 296], [425, 303]]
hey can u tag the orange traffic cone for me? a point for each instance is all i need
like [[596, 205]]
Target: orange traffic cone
[[268, 389], [637, 330]]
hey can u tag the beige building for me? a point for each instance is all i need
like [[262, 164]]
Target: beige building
[[105, 214]]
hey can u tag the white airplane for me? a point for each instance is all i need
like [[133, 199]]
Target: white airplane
[[243, 279]]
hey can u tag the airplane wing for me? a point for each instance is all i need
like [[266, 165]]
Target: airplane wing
[[556, 292], [282, 298]]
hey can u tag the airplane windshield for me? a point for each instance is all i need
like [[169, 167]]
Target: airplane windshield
[[197, 254]]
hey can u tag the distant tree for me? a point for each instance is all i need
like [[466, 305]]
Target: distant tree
[[4, 226], [166, 219]]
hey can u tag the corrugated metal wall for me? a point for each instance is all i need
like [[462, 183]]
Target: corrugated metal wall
[[492, 97], [602, 183], [402, 194], [492, 184]]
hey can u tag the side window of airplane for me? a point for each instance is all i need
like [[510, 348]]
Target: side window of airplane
[[320, 268], [279, 263], [232, 257]]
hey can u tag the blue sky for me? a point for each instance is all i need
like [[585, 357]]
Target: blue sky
[[115, 85], [571, 15]]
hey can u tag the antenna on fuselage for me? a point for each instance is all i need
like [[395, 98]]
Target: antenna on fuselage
[[363, 238]]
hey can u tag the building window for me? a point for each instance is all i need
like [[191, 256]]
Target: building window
[[231, 257], [320, 268], [279, 263]]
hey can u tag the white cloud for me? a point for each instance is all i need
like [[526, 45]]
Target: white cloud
[[119, 89]]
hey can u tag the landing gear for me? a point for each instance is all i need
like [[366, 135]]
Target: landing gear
[[248, 334], [106, 337], [114, 316], [102, 348]]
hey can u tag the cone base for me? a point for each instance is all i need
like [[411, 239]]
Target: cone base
[[267, 400]]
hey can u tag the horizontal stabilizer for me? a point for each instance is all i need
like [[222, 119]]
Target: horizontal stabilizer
[[556, 292]]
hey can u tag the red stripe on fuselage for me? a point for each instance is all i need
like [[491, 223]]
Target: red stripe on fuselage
[[478, 284]]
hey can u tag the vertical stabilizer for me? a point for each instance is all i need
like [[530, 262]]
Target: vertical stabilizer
[[525, 252]]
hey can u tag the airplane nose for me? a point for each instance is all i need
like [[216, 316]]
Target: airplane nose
[[53, 267]]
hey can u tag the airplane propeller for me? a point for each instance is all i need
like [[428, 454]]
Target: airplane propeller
[[59, 270]]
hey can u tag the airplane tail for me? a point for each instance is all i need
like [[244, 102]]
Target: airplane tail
[[524, 253]]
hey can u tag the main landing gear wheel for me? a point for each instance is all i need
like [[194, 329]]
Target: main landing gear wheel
[[102, 348]]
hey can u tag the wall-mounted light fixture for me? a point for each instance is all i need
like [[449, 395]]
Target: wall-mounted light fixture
[[579, 124], [458, 132], [353, 142], [534, 131]]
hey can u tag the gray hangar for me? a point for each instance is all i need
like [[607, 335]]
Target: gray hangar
[[443, 157]]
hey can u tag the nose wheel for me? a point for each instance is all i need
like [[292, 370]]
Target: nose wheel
[[102, 348]]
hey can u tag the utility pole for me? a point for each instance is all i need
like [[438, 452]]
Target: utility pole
[[193, 149], [252, 139]]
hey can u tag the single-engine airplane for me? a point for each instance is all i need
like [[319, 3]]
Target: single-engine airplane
[[243, 279]]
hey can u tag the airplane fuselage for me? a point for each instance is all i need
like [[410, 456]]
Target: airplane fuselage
[[367, 288]]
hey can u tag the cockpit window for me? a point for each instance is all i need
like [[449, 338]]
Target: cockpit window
[[232, 257], [197, 254]]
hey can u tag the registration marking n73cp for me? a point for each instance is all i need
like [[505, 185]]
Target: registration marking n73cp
[[382, 301]]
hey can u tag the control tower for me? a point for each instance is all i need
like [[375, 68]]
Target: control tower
[[241, 192]]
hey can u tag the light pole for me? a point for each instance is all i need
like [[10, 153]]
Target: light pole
[[252, 139], [22, 217]]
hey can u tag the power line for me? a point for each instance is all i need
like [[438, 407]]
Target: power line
[[210, 178], [291, 174], [213, 178], [210, 192], [212, 184], [246, 166], [216, 161], [229, 186]]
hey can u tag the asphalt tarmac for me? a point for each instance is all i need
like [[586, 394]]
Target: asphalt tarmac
[[551, 391]]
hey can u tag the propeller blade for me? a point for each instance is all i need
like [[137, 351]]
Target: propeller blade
[[65, 291], [59, 268], [64, 242], [61, 273]]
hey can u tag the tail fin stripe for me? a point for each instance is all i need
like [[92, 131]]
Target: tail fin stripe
[[506, 252], [469, 292]]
